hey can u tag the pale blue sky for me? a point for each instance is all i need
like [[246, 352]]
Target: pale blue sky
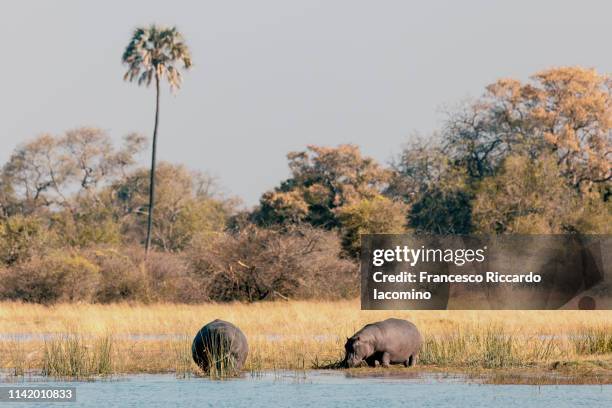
[[273, 76]]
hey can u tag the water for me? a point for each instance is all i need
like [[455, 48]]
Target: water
[[323, 389]]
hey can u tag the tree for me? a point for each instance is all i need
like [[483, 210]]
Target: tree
[[22, 237], [153, 54], [8, 202], [379, 215], [52, 172], [37, 171], [436, 189], [92, 221], [186, 206], [94, 159], [323, 180], [524, 197], [566, 112], [530, 197], [557, 126]]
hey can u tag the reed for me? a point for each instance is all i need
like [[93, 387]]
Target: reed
[[219, 361], [17, 357], [593, 340], [487, 347], [182, 358], [71, 355]]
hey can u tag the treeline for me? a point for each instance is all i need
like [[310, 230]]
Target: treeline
[[524, 158]]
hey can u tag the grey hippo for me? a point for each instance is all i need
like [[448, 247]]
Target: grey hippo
[[222, 344], [392, 341]]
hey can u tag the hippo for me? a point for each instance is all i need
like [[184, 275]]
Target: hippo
[[392, 341], [221, 342]]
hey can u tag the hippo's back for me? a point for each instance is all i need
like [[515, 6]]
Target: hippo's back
[[400, 334], [219, 338], [397, 324]]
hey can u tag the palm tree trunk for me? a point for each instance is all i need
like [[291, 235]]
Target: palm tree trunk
[[152, 175]]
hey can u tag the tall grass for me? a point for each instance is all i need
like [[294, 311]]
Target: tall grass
[[495, 347], [487, 347], [593, 340], [183, 361], [17, 357], [221, 364], [71, 355]]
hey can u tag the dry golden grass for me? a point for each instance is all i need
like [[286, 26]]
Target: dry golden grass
[[292, 335]]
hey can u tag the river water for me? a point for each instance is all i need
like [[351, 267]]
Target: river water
[[320, 389]]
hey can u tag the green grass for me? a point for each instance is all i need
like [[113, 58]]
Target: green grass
[[593, 340], [72, 356]]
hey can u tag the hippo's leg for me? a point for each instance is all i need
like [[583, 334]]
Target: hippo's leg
[[411, 360], [386, 359], [371, 360]]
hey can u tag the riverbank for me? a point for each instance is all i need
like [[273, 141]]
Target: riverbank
[[81, 340]]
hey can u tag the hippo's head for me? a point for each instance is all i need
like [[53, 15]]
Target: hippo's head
[[356, 351]]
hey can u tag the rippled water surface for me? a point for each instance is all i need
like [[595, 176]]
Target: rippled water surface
[[323, 389]]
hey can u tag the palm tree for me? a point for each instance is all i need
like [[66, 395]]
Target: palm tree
[[153, 54]]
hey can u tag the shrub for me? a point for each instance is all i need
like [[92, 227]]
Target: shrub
[[122, 275], [248, 265], [126, 276], [169, 279], [53, 278], [256, 264]]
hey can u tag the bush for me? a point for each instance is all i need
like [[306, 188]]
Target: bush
[[125, 276], [122, 276], [255, 264], [57, 277], [249, 265], [102, 274], [170, 279]]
